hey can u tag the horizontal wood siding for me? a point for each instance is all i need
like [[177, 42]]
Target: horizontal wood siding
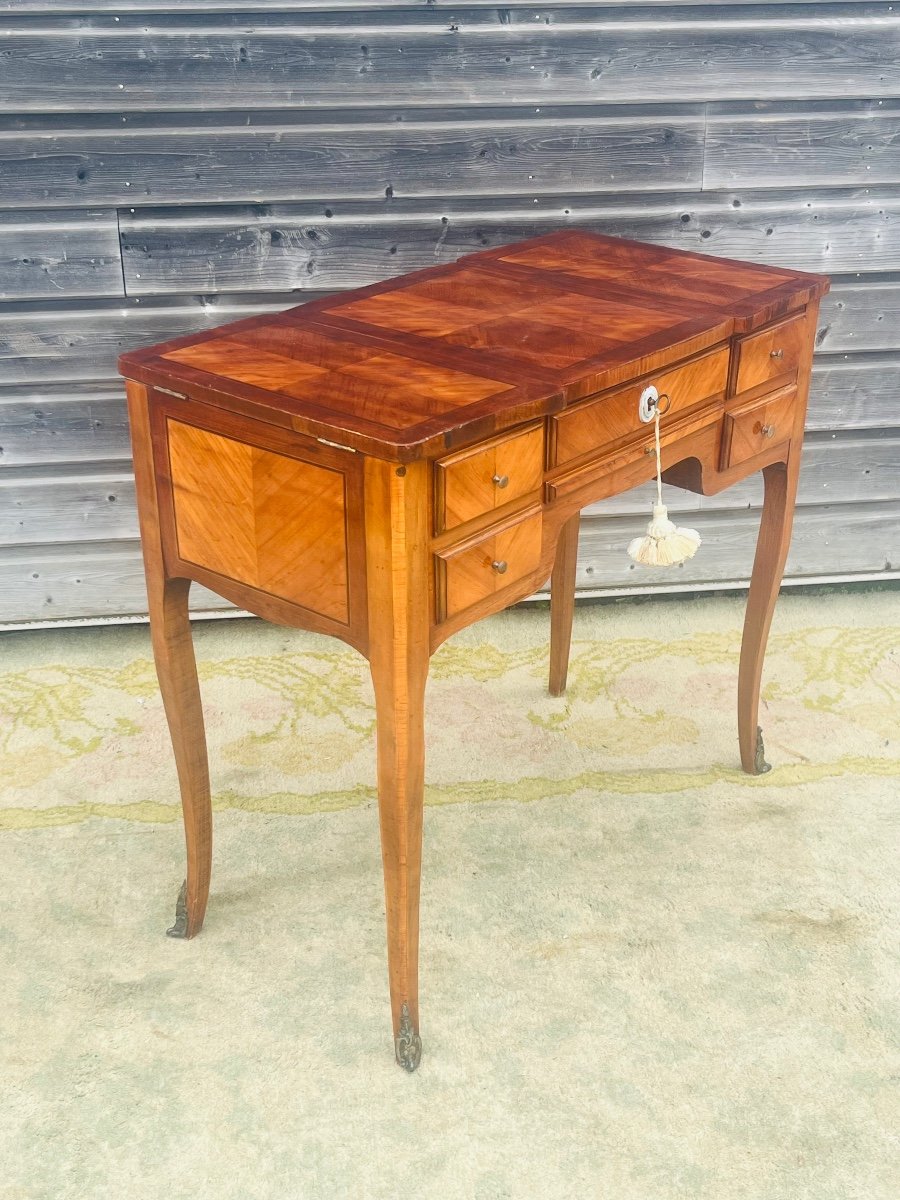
[[168, 167]]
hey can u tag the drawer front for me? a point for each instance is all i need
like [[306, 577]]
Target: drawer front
[[476, 571], [480, 479], [598, 423], [770, 354], [753, 428]]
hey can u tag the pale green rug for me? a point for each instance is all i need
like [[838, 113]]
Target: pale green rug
[[644, 975]]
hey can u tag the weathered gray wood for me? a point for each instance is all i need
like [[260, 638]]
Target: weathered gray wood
[[273, 247], [284, 159], [67, 423], [855, 393], [62, 253], [838, 468], [364, 141], [830, 145], [65, 583], [75, 343], [81, 423], [484, 56], [82, 342], [95, 502], [862, 315], [70, 506], [831, 541], [51, 7]]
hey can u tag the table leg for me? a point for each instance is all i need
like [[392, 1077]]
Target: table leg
[[562, 603], [173, 652], [397, 584], [768, 568], [176, 670]]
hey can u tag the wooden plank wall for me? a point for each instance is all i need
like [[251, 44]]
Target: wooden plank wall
[[166, 166]]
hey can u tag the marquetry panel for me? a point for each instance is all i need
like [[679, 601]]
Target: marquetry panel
[[771, 353], [650, 269], [475, 571], [520, 321], [486, 476], [601, 422], [356, 380], [264, 519], [416, 365]]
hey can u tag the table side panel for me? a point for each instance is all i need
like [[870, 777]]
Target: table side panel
[[250, 507]]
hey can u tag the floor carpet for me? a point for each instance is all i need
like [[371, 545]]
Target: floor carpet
[[645, 976]]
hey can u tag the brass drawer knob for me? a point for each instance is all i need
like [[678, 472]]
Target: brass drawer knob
[[500, 567], [500, 480], [768, 431], [777, 354]]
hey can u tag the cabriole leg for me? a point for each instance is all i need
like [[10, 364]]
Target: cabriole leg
[[562, 604], [397, 557], [768, 569], [176, 669]]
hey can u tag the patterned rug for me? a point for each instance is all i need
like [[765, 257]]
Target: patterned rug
[[644, 974], [290, 720]]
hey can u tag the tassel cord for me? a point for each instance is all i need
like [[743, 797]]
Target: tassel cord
[[658, 453]]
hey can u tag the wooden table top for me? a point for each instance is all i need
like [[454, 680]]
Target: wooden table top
[[415, 365]]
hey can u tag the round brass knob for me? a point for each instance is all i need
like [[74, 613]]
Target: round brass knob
[[500, 480], [768, 431], [777, 354], [500, 567]]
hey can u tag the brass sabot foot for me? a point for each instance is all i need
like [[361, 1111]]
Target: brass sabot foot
[[760, 766], [179, 929], [407, 1044]]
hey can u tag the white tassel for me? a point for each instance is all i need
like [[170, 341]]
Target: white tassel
[[664, 543]]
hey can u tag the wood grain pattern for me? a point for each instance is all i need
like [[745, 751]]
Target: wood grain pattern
[[173, 653], [752, 428], [836, 143], [197, 158], [771, 354], [397, 566], [472, 572], [614, 416], [497, 472], [587, 55], [47, 254], [406, 367], [271, 522], [562, 603]]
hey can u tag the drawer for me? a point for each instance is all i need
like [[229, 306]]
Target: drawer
[[477, 480], [476, 570], [754, 427], [770, 354], [597, 423]]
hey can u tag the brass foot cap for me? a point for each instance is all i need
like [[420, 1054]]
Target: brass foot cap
[[407, 1044], [760, 766], [179, 929]]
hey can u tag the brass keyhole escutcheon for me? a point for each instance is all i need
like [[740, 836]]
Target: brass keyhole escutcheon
[[500, 480], [500, 567]]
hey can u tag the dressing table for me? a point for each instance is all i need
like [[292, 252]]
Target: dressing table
[[390, 465]]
